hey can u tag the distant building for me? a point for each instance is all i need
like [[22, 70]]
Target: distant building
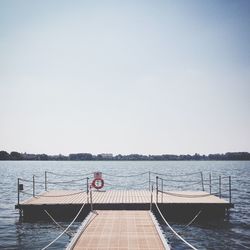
[[106, 156]]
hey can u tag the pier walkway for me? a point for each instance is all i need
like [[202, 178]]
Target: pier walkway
[[117, 230]]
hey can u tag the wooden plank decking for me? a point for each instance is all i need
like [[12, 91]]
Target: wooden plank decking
[[123, 196], [117, 230]]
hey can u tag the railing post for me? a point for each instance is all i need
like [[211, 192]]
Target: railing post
[[91, 201], [220, 186], [149, 180], [157, 189], [210, 183], [151, 197], [45, 180], [161, 190], [230, 192], [202, 183], [18, 191], [87, 189], [34, 191]]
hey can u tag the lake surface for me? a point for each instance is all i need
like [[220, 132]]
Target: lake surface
[[231, 234]]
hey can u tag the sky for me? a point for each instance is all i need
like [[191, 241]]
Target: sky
[[121, 77]]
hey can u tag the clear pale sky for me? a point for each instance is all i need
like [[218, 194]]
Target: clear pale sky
[[147, 77]]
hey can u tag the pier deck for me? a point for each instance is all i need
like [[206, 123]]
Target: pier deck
[[64, 204], [123, 197], [120, 230]]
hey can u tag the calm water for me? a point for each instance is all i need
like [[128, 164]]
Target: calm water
[[232, 234]]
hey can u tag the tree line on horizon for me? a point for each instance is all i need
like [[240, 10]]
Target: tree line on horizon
[[230, 156]]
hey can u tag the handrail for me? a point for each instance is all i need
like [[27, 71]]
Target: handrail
[[204, 183], [222, 188]]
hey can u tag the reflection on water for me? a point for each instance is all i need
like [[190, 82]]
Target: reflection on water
[[232, 234]]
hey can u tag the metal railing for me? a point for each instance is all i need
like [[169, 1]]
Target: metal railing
[[221, 191], [163, 183], [30, 187]]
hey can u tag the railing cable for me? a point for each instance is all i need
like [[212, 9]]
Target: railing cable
[[69, 234], [59, 182], [173, 175], [66, 229], [53, 196], [187, 195], [25, 180], [126, 176], [193, 219], [173, 229], [173, 180], [70, 175]]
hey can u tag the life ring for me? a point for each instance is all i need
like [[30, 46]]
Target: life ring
[[98, 183]]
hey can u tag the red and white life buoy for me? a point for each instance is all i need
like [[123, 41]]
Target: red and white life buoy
[[98, 183]]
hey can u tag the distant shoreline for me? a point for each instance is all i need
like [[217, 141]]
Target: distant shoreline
[[122, 160], [230, 156]]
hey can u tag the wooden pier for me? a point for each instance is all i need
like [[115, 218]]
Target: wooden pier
[[124, 219], [135, 230]]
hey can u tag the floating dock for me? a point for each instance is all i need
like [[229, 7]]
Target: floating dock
[[63, 204], [118, 218]]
